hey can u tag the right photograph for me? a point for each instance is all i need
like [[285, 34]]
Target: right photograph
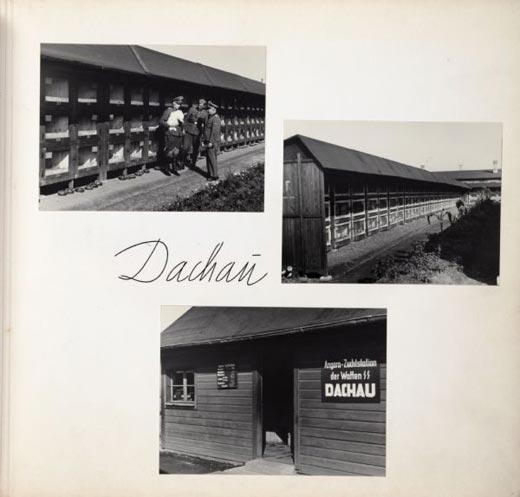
[[391, 202]]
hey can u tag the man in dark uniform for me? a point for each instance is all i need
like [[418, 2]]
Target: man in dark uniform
[[212, 140], [202, 121], [172, 122], [194, 123]]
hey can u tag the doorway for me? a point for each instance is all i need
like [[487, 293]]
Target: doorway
[[277, 411]]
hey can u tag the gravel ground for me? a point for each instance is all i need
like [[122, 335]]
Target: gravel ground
[[151, 191]]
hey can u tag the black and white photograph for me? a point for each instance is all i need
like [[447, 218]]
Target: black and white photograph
[[152, 128], [273, 391], [391, 202]]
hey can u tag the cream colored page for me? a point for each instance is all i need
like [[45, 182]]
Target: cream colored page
[[84, 346]]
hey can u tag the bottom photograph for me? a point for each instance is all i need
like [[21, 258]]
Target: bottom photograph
[[273, 391]]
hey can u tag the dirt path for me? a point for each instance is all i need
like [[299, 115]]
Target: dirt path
[[355, 261], [151, 191]]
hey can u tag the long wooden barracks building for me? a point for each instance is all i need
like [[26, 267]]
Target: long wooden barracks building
[[100, 106], [302, 386], [478, 180], [334, 195]]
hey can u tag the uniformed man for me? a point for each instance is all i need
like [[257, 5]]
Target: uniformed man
[[194, 123], [202, 121], [172, 122], [212, 140]]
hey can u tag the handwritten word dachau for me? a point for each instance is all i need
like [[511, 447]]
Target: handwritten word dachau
[[154, 265]]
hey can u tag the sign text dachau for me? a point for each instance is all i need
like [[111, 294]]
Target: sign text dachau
[[351, 380]]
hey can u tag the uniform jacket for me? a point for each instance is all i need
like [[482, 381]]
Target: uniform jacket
[[212, 131], [202, 120], [190, 121], [163, 122]]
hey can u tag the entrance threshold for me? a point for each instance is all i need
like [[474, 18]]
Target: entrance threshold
[[262, 466]]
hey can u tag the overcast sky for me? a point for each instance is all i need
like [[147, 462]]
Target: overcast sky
[[439, 146], [243, 60], [170, 313]]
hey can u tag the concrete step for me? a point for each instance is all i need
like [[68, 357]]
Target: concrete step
[[262, 467]]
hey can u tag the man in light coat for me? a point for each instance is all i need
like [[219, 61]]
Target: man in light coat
[[172, 122]]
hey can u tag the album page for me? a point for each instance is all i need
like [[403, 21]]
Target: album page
[[260, 248]]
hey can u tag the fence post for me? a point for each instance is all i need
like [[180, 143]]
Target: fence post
[[126, 152], [103, 151], [74, 151], [146, 141]]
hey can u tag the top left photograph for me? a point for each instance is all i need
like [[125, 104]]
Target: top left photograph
[[152, 128]]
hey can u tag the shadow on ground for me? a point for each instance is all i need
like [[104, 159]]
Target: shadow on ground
[[171, 463]]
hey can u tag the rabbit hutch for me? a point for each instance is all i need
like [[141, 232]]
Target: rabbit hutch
[[100, 106], [333, 196]]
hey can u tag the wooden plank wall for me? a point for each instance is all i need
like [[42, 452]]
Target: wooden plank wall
[[139, 104], [339, 438], [221, 425], [304, 217]]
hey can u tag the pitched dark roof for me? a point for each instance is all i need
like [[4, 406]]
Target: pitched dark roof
[[335, 157], [141, 60], [120, 57], [474, 174], [483, 184], [210, 325]]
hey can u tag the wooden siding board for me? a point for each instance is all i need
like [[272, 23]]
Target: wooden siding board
[[343, 455], [303, 221], [344, 435], [210, 408], [314, 404], [338, 424], [349, 467], [307, 469], [226, 447], [219, 400], [175, 414], [297, 428], [345, 445], [348, 438], [208, 437], [209, 391], [345, 414], [216, 423], [219, 454], [232, 433]]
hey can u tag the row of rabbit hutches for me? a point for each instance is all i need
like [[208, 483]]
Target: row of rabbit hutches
[[305, 384], [100, 106], [334, 195]]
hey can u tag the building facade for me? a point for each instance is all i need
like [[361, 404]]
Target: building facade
[[100, 106], [334, 196], [246, 383], [482, 182]]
